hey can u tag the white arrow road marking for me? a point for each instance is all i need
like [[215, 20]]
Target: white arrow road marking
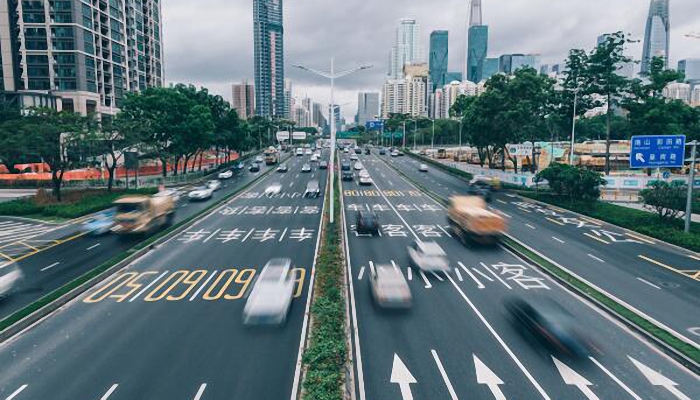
[[572, 378], [16, 392], [428, 285], [657, 379], [401, 375], [613, 377], [445, 378], [484, 376]]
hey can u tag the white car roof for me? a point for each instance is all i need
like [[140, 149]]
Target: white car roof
[[431, 248]]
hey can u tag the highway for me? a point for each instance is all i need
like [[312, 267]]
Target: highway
[[53, 267], [660, 281], [457, 342], [169, 326]]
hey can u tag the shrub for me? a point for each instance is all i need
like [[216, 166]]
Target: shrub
[[573, 182], [667, 200]]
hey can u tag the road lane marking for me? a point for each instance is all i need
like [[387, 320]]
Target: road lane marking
[[425, 279], [645, 240], [93, 246], [504, 214], [50, 266], [658, 263], [558, 240], [501, 201], [409, 272], [555, 221], [694, 257], [648, 283], [444, 230], [500, 341], [148, 286], [445, 378], [614, 378], [196, 293], [16, 392], [530, 226], [488, 278], [214, 234], [459, 275], [595, 258], [596, 238], [200, 392], [109, 392], [371, 267], [437, 276], [362, 272], [524, 210], [31, 247], [478, 282], [496, 276], [6, 256]]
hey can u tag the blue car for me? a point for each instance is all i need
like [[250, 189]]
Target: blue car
[[100, 223]]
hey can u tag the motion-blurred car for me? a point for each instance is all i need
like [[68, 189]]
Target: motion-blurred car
[[348, 176], [258, 160], [358, 166], [423, 168], [550, 323], [399, 153], [240, 166], [10, 277], [308, 152], [394, 153], [300, 151], [367, 223], [273, 189], [480, 190], [365, 180], [228, 174], [271, 297], [312, 189], [323, 165], [254, 167], [282, 168], [382, 152], [353, 157], [345, 166], [306, 168], [358, 150], [368, 151], [314, 158], [101, 223], [428, 256], [389, 287], [174, 194], [201, 193], [346, 150], [214, 184]]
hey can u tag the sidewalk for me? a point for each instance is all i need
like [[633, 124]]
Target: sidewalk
[[639, 206]]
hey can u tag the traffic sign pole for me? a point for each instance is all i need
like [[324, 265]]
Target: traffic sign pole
[[689, 201]]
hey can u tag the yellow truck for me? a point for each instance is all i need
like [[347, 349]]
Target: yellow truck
[[472, 222], [143, 214], [272, 156]]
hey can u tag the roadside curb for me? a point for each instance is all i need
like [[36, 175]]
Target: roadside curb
[[34, 312]]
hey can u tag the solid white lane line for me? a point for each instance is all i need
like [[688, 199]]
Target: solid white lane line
[[530, 226], [459, 275], [445, 378], [362, 272], [200, 392], [500, 341], [109, 392], [694, 257], [206, 282], [595, 258], [501, 201], [50, 266], [16, 392], [648, 283], [558, 240], [409, 272], [153, 282], [371, 267], [93, 246], [496, 276], [425, 279], [214, 234], [488, 278], [478, 282], [437, 276], [444, 230], [614, 378]]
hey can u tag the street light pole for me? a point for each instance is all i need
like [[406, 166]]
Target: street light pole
[[573, 130], [404, 134], [432, 142], [332, 75], [689, 201], [415, 131]]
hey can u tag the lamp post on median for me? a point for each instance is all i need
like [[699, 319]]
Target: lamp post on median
[[689, 202], [332, 75]]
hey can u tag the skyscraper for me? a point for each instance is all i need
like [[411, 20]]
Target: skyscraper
[[244, 99], [269, 59], [477, 44], [84, 57], [406, 47], [367, 107], [438, 58], [691, 68], [657, 34]]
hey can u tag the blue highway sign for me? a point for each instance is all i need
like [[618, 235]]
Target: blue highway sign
[[374, 125], [657, 151]]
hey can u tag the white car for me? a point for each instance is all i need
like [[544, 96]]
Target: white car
[[258, 160], [423, 168], [346, 150], [308, 152], [172, 193], [389, 287], [271, 297], [364, 173], [353, 157], [394, 153], [428, 256], [306, 168], [300, 151], [273, 189], [314, 158], [226, 174], [10, 276], [358, 166], [201, 193], [365, 180], [214, 185], [312, 189]]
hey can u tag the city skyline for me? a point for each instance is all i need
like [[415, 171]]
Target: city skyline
[[534, 26]]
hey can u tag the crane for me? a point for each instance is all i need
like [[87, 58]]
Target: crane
[[694, 35]]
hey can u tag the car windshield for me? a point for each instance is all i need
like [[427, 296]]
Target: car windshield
[[124, 208]]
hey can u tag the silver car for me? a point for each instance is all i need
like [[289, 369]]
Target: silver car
[[10, 276], [312, 189], [428, 256], [389, 287], [271, 297]]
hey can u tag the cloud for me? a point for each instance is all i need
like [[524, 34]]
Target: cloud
[[211, 43]]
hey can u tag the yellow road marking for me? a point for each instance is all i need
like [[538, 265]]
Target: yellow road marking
[[557, 209], [640, 238], [50, 246], [596, 238], [31, 247], [6, 256], [555, 221], [659, 263], [697, 276]]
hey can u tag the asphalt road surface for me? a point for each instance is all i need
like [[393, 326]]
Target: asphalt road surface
[[659, 280], [457, 342], [170, 326]]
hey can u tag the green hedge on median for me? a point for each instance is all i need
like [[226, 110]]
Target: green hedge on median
[[326, 355], [635, 220]]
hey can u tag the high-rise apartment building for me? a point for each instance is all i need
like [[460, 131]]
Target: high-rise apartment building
[[438, 58], [317, 118], [657, 34], [269, 59], [367, 107], [477, 43], [490, 68], [453, 76], [394, 97], [85, 55], [244, 99], [691, 68], [509, 63], [678, 91], [406, 47]]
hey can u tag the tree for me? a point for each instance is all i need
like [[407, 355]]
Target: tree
[[667, 200], [603, 78], [113, 136], [575, 183]]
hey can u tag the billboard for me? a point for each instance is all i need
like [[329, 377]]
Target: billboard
[[524, 149]]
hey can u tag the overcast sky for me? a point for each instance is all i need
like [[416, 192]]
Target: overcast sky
[[210, 42]]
